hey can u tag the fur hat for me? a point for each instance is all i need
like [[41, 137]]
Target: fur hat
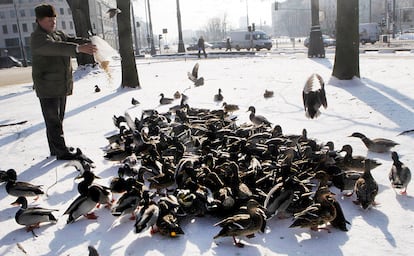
[[45, 10]]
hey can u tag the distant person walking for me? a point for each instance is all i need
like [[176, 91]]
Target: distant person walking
[[228, 44], [52, 74], [201, 47]]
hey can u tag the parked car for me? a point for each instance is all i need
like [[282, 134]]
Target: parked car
[[218, 44], [9, 61], [327, 41], [194, 46]]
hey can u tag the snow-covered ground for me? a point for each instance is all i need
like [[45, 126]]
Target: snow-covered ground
[[380, 104]]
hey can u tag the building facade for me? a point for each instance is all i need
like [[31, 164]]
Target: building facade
[[18, 21], [293, 18]]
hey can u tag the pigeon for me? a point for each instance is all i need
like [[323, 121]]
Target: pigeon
[[268, 94], [314, 96], [134, 101], [218, 96], [113, 11], [193, 76]]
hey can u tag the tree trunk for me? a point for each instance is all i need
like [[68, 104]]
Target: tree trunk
[[128, 65], [83, 27], [347, 40]]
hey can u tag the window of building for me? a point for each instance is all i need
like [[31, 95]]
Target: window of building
[[2, 16], [11, 42], [34, 26], [32, 13], [14, 26], [63, 25], [12, 14], [27, 40], [5, 29], [69, 11], [24, 27], [22, 13], [70, 24], [62, 12]]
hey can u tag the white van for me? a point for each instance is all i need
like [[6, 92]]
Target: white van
[[248, 40], [369, 33]]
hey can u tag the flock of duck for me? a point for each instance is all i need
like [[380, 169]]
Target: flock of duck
[[196, 162]]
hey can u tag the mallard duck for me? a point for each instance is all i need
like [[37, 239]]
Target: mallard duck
[[339, 222], [378, 145], [146, 217], [257, 119], [167, 222], [366, 188], [193, 76], [3, 176], [168, 225], [314, 96], [83, 204], [243, 224], [230, 107], [400, 174], [268, 94], [218, 96], [351, 162], [94, 190], [322, 211], [127, 203], [279, 198], [92, 251], [164, 100], [31, 217], [21, 188]]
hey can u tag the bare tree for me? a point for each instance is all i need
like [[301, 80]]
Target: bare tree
[[215, 30], [83, 27], [128, 65], [347, 40]]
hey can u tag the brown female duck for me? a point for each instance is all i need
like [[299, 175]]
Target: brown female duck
[[378, 145], [366, 188], [243, 224]]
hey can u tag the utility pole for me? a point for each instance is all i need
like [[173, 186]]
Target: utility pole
[[22, 51], [316, 47], [181, 47], [150, 32]]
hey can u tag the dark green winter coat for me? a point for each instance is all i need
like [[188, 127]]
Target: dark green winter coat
[[51, 62]]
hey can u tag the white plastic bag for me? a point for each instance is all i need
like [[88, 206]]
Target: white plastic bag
[[105, 53]]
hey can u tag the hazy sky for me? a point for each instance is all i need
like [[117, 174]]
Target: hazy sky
[[196, 13]]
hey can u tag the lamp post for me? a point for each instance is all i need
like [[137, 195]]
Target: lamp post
[[181, 47], [150, 29], [394, 18], [135, 29], [22, 51], [316, 48], [247, 12]]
